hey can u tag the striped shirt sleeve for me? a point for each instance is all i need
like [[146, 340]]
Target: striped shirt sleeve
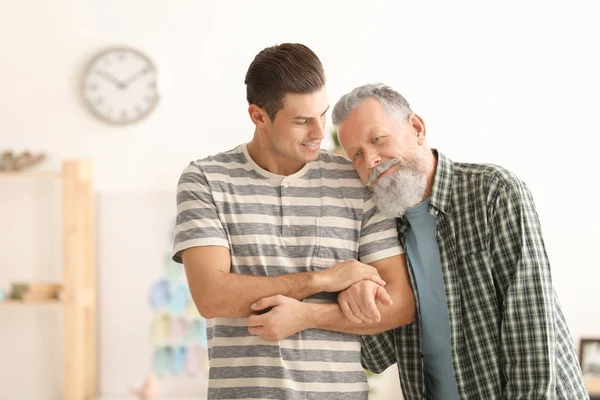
[[198, 222], [378, 235]]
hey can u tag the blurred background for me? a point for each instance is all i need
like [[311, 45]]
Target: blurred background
[[514, 83]]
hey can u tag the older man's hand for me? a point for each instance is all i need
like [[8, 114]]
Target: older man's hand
[[359, 301]]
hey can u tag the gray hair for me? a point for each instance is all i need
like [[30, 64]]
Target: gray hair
[[394, 104]]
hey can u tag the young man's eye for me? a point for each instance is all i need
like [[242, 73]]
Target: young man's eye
[[302, 121]]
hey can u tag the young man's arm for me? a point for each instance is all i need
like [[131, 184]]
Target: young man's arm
[[219, 293], [288, 316], [202, 244]]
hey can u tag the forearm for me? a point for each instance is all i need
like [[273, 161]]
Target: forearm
[[329, 317], [231, 295], [217, 292]]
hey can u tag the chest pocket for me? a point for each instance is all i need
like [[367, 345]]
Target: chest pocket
[[337, 241]]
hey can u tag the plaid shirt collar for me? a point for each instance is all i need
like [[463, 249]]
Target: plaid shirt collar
[[440, 200]]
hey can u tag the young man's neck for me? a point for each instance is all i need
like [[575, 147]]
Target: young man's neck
[[265, 156]]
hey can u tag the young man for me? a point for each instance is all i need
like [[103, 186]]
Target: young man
[[270, 231], [488, 322]]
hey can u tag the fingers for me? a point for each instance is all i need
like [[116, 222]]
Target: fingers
[[348, 312], [374, 277], [357, 311], [262, 332], [266, 302], [368, 272], [383, 296], [256, 320], [369, 306]]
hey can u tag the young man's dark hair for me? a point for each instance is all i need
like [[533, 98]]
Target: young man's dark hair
[[281, 69]]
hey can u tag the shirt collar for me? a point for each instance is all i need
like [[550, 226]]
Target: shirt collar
[[441, 192], [440, 199]]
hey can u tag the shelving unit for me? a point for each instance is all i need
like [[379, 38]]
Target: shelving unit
[[78, 297]]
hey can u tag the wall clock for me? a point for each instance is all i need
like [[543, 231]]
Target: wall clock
[[119, 85]]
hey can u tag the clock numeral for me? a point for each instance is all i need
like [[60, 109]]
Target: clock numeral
[[122, 56], [152, 84], [98, 101], [138, 109], [109, 110], [149, 99], [93, 87], [123, 114]]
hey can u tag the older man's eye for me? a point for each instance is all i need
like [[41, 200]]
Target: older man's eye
[[375, 140], [356, 155]]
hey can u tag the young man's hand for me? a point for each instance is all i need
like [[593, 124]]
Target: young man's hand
[[278, 317]]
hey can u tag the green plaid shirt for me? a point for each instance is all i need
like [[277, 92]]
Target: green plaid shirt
[[509, 337]]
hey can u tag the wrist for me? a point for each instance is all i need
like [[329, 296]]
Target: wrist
[[319, 281], [311, 315]]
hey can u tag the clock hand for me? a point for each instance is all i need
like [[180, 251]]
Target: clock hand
[[136, 75], [110, 78]]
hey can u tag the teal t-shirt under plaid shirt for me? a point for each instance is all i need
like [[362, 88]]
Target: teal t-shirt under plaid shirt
[[509, 338]]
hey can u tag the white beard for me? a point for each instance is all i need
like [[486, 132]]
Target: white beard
[[395, 193]]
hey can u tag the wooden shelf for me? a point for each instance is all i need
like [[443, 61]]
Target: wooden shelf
[[31, 175], [28, 303], [78, 298]]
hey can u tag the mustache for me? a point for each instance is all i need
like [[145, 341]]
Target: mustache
[[380, 169]]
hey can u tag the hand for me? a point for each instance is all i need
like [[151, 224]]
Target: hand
[[347, 273], [359, 301], [110, 78], [284, 316]]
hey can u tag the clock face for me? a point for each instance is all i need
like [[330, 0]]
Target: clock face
[[120, 86]]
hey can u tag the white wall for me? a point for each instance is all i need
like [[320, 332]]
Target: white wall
[[513, 83]]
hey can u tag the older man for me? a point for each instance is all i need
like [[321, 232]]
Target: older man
[[488, 322]]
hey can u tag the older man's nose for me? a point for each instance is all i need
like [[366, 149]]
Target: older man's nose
[[373, 160]]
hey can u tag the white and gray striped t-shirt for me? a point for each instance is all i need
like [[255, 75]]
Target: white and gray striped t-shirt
[[274, 225]]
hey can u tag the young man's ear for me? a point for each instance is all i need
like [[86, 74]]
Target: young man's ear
[[258, 116]]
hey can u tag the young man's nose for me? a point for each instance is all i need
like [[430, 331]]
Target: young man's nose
[[318, 130]]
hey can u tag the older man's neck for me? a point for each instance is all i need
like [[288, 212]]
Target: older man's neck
[[430, 177]]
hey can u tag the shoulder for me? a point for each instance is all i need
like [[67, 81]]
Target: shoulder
[[329, 157], [337, 173], [337, 165], [199, 171], [489, 176], [221, 161], [493, 184], [233, 156]]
